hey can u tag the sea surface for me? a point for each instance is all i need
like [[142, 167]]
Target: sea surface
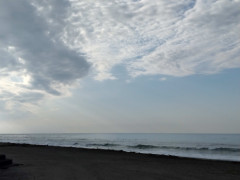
[[206, 146]]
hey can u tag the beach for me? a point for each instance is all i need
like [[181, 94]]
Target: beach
[[33, 162]]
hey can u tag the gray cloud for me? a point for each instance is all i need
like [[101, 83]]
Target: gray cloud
[[30, 47]]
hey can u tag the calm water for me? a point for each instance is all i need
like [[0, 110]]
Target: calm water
[[208, 146]]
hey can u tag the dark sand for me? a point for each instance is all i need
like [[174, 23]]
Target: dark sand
[[57, 163]]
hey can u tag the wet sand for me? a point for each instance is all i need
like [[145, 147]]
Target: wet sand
[[59, 163]]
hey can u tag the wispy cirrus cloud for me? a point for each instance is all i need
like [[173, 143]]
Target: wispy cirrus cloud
[[47, 46]]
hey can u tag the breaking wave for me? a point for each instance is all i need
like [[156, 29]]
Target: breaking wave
[[225, 149], [103, 145], [143, 146]]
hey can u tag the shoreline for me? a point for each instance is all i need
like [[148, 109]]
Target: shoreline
[[113, 150], [54, 162]]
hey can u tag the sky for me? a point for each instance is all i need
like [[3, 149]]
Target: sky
[[119, 66]]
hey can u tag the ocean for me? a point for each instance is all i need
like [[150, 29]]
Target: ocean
[[204, 146]]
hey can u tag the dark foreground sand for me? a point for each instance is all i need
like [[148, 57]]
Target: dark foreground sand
[[57, 163]]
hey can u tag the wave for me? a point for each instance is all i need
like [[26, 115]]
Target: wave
[[103, 145], [225, 149], [228, 149], [206, 149], [143, 146]]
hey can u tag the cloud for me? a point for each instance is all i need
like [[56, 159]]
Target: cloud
[[47, 46], [176, 38], [163, 79], [34, 63]]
